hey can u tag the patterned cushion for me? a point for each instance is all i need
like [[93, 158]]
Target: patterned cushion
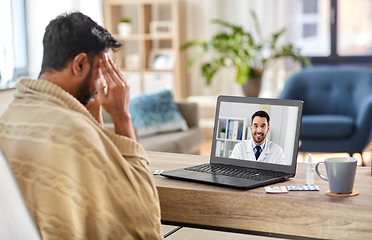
[[155, 113]]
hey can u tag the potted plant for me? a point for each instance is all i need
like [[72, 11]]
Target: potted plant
[[124, 27], [240, 50], [222, 133]]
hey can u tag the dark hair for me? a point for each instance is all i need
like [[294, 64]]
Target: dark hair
[[70, 34], [261, 114]]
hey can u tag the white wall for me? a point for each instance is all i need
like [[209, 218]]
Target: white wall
[[198, 14], [36, 23], [272, 18], [38, 14], [6, 96]]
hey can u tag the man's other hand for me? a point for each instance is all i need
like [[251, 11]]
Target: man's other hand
[[95, 109], [116, 100]]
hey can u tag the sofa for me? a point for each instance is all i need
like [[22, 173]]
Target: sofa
[[187, 141], [337, 114]]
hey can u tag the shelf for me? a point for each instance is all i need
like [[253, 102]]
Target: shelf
[[164, 36], [145, 70], [137, 37], [139, 48], [132, 37], [237, 130], [231, 140], [228, 140], [131, 70], [158, 70]]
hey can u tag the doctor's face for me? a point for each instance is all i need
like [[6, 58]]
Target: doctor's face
[[259, 129]]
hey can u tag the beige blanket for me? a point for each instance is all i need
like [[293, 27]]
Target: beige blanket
[[79, 180]]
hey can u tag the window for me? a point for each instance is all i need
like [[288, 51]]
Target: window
[[310, 6], [333, 31], [354, 28], [13, 45], [307, 28]]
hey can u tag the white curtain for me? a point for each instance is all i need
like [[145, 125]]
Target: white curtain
[[272, 17], [6, 42]]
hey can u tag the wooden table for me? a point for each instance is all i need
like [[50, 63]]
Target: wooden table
[[308, 214]]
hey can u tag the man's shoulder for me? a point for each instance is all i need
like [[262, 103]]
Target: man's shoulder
[[271, 143], [274, 145], [243, 145], [243, 142], [48, 115]]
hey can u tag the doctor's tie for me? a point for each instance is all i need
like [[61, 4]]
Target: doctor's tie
[[258, 152]]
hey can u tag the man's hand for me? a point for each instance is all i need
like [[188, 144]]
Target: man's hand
[[95, 109], [116, 100]]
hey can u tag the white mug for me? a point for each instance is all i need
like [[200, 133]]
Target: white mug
[[340, 173]]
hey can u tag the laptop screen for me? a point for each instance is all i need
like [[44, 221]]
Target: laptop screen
[[257, 132]]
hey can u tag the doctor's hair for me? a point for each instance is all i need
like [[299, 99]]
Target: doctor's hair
[[70, 34], [262, 114]]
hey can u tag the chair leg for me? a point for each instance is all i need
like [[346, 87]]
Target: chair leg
[[171, 232], [361, 156], [303, 156]]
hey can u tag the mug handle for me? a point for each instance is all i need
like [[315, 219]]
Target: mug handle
[[317, 171]]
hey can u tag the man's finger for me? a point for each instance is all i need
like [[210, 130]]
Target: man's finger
[[106, 74], [100, 96], [117, 72]]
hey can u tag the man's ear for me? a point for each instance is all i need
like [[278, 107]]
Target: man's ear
[[80, 64]]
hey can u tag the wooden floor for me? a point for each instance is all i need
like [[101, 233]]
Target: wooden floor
[[302, 156]]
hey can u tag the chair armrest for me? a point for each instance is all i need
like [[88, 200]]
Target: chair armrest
[[190, 111], [364, 116], [106, 117]]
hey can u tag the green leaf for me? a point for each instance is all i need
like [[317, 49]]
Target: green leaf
[[195, 55], [257, 24], [242, 73], [233, 46], [189, 44], [209, 69], [275, 37]]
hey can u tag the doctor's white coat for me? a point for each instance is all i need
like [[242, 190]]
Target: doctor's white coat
[[272, 153]]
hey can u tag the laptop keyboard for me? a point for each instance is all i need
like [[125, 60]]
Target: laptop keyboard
[[238, 172]]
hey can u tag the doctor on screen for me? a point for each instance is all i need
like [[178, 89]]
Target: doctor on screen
[[258, 148]]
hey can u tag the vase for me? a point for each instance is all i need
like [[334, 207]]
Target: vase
[[124, 29], [252, 87]]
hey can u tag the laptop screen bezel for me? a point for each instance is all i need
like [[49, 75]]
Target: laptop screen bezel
[[290, 169]]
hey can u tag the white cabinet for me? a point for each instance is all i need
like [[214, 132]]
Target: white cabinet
[[147, 51], [134, 81], [155, 81], [230, 131]]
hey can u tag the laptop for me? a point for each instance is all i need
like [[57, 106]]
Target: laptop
[[233, 162]]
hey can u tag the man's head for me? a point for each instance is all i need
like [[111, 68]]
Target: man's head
[[260, 126], [75, 41]]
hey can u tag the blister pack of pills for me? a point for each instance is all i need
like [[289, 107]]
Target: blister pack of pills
[[281, 189], [157, 172], [303, 188]]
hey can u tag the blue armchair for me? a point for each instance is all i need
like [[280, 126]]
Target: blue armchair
[[337, 115]]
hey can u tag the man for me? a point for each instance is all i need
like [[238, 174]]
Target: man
[[258, 148], [79, 180]]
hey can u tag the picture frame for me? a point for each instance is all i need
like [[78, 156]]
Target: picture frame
[[161, 58], [161, 27], [132, 61]]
